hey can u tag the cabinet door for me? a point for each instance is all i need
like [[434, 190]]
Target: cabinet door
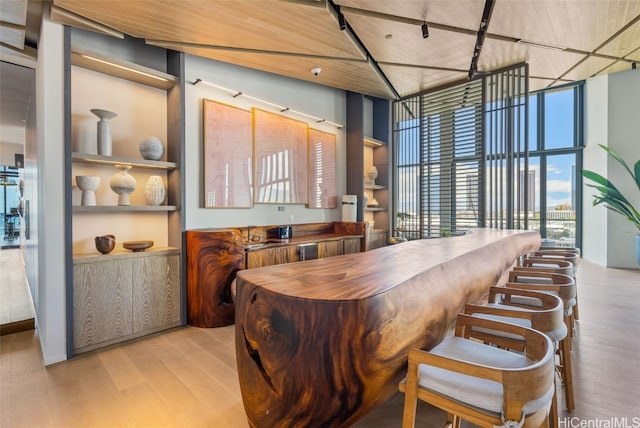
[[102, 297], [330, 248], [272, 256], [377, 239], [156, 292], [352, 245]]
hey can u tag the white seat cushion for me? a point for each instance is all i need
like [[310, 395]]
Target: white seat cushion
[[477, 392]]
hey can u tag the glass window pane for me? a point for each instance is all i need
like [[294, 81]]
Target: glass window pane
[[561, 199], [533, 123], [558, 119]]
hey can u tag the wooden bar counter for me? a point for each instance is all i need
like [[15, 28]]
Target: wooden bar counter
[[322, 342]]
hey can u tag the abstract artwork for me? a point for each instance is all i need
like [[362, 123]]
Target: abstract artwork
[[228, 162]]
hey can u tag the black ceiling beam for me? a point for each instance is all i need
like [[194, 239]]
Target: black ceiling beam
[[482, 31]]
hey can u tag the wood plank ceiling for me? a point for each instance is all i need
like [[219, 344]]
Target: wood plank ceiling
[[382, 52]]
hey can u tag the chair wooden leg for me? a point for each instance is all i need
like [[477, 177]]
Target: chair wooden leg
[[567, 375], [553, 413]]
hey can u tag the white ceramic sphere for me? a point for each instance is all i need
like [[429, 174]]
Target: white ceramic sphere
[[151, 148]]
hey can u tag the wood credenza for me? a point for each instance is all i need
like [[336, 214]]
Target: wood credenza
[[120, 296], [214, 256]]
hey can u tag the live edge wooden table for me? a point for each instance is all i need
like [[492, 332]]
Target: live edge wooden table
[[320, 343]]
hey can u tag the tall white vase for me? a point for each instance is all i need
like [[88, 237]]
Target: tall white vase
[[104, 130], [123, 184], [154, 190]]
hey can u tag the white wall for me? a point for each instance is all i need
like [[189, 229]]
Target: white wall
[[624, 139], [613, 119], [316, 100], [51, 308], [595, 159]]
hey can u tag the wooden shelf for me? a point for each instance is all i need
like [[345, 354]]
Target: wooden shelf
[[111, 160], [122, 208], [372, 142], [374, 209], [122, 69], [374, 187]]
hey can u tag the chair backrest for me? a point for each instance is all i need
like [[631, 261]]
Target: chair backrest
[[543, 311], [574, 258], [521, 385], [548, 264], [533, 279]]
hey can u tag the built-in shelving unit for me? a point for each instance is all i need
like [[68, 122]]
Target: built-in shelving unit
[[144, 98], [367, 148]]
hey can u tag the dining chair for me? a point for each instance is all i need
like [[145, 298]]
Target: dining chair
[[541, 311], [564, 287], [483, 384]]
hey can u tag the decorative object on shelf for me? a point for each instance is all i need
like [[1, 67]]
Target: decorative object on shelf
[[365, 200], [373, 203], [123, 184], [104, 130], [151, 148], [105, 243], [136, 246], [88, 184], [154, 190], [372, 173]]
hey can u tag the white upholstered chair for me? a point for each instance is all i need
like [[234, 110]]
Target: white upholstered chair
[[483, 384]]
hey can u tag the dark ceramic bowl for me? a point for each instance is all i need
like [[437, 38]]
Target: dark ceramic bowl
[[105, 243]]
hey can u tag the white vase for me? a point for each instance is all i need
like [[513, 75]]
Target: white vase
[[104, 130], [123, 184], [154, 190]]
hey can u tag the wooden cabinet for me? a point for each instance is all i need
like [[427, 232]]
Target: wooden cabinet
[[330, 248], [121, 296], [351, 245], [272, 256]]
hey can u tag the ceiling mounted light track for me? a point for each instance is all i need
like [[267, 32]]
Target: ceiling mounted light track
[[281, 109]]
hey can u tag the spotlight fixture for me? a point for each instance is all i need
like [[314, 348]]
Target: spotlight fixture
[[341, 21], [425, 31]]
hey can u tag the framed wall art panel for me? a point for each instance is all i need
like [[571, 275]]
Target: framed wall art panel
[[280, 153], [322, 170], [228, 162]]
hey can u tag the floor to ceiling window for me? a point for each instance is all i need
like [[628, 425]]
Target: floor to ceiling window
[[532, 154], [555, 159]]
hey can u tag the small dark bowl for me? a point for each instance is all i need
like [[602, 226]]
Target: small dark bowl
[[105, 243]]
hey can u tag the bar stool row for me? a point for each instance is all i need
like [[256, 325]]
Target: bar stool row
[[499, 368]]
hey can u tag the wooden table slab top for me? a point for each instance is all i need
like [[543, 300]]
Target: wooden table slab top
[[362, 275]]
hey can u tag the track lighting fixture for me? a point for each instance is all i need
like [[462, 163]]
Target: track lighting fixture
[[342, 22], [425, 31]]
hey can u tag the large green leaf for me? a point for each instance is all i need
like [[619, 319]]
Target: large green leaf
[[637, 177]]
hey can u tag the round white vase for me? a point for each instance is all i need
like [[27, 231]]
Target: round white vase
[[104, 130], [151, 148], [123, 184], [154, 190]]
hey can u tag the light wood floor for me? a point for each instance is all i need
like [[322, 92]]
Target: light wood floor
[[187, 377], [15, 300]]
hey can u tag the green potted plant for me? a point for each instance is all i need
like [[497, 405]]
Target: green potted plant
[[609, 195]]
